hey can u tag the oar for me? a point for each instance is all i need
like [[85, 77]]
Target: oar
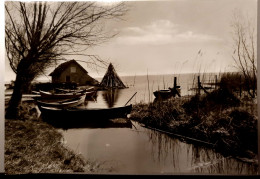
[[130, 99]]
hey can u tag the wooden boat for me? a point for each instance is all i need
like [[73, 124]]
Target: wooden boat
[[61, 90], [49, 95], [163, 93], [167, 93], [77, 114], [90, 89], [90, 92], [62, 103]]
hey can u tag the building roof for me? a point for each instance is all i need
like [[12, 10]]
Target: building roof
[[65, 65]]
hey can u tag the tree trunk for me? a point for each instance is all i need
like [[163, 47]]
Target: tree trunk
[[12, 110], [24, 77]]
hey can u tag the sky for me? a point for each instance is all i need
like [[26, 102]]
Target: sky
[[168, 37]]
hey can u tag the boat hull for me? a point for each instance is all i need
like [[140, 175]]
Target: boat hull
[[48, 95], [81, 114], [163, 94], [167, 93], [90, 89], [62, 103]]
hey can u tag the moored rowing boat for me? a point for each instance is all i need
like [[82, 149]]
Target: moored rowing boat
[[49, 95], [77, 113], [163, 93], [62, 103]]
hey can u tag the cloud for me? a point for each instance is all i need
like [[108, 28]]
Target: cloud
[[161, 32]]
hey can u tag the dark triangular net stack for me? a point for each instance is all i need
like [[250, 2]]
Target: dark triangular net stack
[[111, 79]]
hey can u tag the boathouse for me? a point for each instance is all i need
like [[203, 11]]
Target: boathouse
[[72, 72]]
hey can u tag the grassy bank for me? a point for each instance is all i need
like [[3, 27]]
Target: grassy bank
[[33, 146], [219, 120]]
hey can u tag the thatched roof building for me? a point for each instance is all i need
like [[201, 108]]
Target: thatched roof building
[[111, 79], [72, 72]]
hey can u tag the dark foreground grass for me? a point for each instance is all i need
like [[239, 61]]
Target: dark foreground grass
[[220, 119], [33, 146]]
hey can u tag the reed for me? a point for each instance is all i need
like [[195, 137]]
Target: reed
[[149, 95], [219, 117]]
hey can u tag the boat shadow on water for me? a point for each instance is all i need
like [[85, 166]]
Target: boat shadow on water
[[65, 123], [80, 116], [87, 118]]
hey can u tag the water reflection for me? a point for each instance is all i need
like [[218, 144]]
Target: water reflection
[[190, 158], [108, 99], [103, 99], [138, 150], [87, 123], [111, 96]]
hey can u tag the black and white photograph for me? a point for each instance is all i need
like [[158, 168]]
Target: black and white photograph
[[112, 87]]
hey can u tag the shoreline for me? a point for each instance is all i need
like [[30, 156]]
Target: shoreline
[[217, 130], [67, 161], [33, 146]]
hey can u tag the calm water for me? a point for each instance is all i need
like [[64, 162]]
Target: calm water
[[145, 85], [138, 150]]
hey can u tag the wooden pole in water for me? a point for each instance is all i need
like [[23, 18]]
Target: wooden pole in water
[[175, 82], [174, 87], [130, 99], [199, 85], [174, 90]]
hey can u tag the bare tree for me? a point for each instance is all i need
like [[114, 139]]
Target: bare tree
[[40, 33], [244, 36]]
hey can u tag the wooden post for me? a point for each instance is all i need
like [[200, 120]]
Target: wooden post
[[174, 89], [174, 86], [199, 85], [175, 82]]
